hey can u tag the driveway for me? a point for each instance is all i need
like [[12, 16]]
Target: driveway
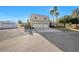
[[10, 33], [14, 40]]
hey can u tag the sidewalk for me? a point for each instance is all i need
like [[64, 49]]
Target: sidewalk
[[73, 29], [28, 43]]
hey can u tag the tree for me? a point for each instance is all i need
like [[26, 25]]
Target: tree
[[54, 12], [75, 15], [61, 20], [66, 19], [56, 15]]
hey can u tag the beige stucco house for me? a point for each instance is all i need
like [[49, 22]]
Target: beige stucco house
[[39, 21]]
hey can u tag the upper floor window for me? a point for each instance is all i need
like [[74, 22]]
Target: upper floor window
[[35, 17], [45, 18]]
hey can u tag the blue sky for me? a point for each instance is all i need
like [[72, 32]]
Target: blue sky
[[15, 13]]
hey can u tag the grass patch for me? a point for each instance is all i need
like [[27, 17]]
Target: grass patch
[[63, 29]]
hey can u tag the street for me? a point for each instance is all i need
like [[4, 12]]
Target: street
[[65, 40], [55, 40]]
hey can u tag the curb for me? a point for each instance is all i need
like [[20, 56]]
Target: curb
[[73, 29]]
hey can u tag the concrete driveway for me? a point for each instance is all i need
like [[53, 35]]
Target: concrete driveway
[[14, 40]]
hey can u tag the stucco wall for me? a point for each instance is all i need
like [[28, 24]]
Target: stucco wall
[[39, 21]]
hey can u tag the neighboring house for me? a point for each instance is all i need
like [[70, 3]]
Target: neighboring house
[[39, 21], [7, 25]]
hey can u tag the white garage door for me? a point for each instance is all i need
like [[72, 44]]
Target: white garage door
[[40, 26]]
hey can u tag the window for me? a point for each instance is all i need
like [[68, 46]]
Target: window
[[45, 18], [35, 17]]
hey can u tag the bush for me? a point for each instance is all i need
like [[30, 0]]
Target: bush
[[59, 26]]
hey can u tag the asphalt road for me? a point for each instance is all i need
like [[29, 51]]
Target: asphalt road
[[65, 40]]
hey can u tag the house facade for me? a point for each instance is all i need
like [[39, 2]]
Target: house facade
[[39, 21]]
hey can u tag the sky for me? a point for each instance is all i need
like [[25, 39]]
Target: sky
[[15, 13]]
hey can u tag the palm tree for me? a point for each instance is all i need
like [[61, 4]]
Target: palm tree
[[55, 8], [56, 15], [54, 12]]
